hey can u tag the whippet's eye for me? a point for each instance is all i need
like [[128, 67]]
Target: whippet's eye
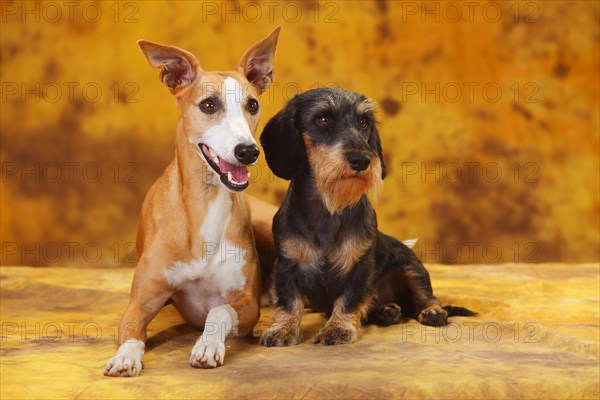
[[208, 106], [363, 124], [325, 121], [252, 106]]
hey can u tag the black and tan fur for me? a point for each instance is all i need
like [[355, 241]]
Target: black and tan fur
[[328, 247]]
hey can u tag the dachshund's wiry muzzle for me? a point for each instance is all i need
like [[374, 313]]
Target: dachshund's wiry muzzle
[[339, 184]]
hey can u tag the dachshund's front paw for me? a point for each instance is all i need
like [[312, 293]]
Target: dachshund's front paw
[[331, 335], [278, 335]]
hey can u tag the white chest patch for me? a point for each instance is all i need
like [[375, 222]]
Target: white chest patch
[[219, 270], [218, 212]]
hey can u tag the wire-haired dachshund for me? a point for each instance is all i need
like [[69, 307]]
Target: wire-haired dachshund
[[329, 250]]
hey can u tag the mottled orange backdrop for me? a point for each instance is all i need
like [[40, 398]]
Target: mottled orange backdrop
[[489, 117]]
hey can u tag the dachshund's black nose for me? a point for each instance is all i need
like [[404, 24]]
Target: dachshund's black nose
[[246, 154], [358, 161]]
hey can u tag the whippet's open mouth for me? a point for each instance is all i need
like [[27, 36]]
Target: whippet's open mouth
[[234, 177]]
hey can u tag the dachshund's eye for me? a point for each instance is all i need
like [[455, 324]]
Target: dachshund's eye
[[208, 106], [325, 121], [363, 124], [252, 106]]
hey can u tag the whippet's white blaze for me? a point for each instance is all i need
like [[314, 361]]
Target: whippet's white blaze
[[221, 143]]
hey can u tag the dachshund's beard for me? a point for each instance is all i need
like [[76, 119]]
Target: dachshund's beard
[[341, 187]]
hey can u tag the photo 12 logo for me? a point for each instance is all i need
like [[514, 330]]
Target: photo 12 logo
[[70, 11], [469, 92], [473, 252], [269, 11], [469, 11], [56, 331], [68, 172], [67, 252], [470, 172], [54, 92]]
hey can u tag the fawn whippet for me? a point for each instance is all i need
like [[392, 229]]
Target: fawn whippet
[[195, 241]]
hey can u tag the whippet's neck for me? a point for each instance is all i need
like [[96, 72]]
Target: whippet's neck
[[203, 199]]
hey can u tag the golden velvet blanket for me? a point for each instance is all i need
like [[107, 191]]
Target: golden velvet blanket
[[537, 336]]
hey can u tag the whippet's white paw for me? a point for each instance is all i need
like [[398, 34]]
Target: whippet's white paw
[[127, 361], [207, 353]]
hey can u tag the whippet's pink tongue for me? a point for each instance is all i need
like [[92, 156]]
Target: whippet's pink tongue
[[239, 173]]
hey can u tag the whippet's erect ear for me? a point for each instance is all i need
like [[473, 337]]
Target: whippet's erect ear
[[178, 67], [257, 62], [282, 143]]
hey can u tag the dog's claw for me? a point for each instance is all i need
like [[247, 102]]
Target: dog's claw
[[127, 361], [121, 367], [210, 354]]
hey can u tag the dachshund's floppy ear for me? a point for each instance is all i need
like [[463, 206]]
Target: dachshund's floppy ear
[[375, 143], [282, 143]]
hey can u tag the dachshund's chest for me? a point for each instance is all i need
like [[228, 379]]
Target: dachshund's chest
[[337, 257]]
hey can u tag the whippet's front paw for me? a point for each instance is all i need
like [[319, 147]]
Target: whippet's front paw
[[207, 353], [127, 361], [281, 336]]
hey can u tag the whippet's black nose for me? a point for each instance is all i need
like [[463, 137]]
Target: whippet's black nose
[[246, 154], [358, 161]]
